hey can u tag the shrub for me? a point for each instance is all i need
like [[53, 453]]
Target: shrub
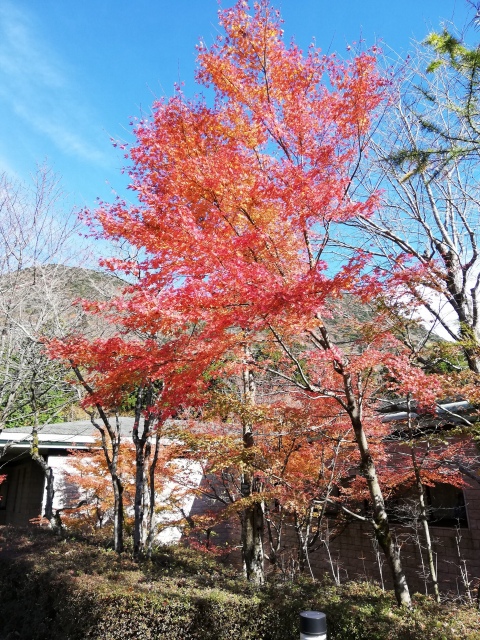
[[71, 590]]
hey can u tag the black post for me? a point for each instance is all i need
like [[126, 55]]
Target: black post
[[313, 625]]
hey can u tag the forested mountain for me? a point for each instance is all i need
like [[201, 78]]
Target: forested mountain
[[36, 303]]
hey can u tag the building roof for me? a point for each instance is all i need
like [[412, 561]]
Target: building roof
[[81, 434], [63, 435], [452, 411]]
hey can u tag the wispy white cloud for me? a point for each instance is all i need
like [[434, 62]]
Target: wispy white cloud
[[36, 85]]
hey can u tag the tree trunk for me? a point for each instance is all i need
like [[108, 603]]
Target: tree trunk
[[302, 545], [118, 514], [55, 522], [139, 496], [144, 505], [49, 488], [351, 402], [151, 506], [111, 458], [274, 537], [470, 345], [50, 494], [380, 518], [423, 506], [252, 518], [425, 527], [252, 537]]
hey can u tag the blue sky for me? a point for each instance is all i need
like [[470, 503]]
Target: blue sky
[[72, 74]]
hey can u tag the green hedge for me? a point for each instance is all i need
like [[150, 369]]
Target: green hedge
[[52, 590]]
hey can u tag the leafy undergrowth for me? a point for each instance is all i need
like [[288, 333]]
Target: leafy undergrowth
[[79, 591]]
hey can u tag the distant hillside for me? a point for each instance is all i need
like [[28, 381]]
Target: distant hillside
[[77, 282], [41, 299], [90, 284], [349, 314], [37, 303]]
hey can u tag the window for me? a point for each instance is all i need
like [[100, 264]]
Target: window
[[446, 506]]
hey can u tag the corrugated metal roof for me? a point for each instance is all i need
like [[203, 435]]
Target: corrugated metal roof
[[62, 435], [78, 427]]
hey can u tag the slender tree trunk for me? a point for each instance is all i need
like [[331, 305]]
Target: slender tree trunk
[[425, 526], [380, 518], [49, 480], [139, 496], [423, 507], [351, 402], [353, 407], [151, 506], [112, 459], [50, 493], [112, 455], [139, 500], [471, 345], [144, 505], [305, 539], [118, 515], [302, 542], [252, 518], [252, 540], [275, 538], [55, 522]]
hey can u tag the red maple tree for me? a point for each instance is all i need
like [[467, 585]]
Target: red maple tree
[[235, 204]]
